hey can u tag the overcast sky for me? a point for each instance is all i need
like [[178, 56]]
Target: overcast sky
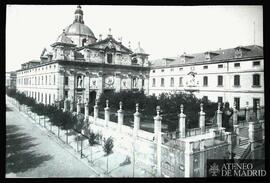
[[163, 31]]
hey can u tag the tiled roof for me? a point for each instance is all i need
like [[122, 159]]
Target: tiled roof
[[223, 54]]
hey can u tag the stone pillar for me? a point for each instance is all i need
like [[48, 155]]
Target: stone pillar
[[189, 159], [219, 116], [137, 118], [120, 118], [251, 135], [107, 113], [86, 85], [65, 104], [140, 87], [78, 107], [182, 122], [129, 81], [235, 115], [86, 110], [71, 83], [229, 140], [146, 85], [158, 120], [71, 105], [258, 114], [247, 112], [202, 119], [117, 82], [96, 111], [100, 84], [61, 85], [202, 159], [236, 130]]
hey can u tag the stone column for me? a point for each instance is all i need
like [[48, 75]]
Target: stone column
[[100, 84], [71, 83], [146, 85], [235, 115], [247, 112], [107, 113], [86, 85], [117, 82], [258, 114], [202, 159], [129, 81], [158, 120], [202, 119], [120, 118], [182, 122], [137, 118], [65, 104], [189, 159], [219, 116], [71, 104], [96, 111], [86, 110], [140, 87], [229, 140], [251, 135], [78, 107], [236, 129]]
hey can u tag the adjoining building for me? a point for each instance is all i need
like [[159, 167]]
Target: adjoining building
[[225, 75], [11, 80], [81, 67]]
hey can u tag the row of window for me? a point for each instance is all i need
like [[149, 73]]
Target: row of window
[[38, 80], [255, 63], [256, 81], [41, 97], [37, 69]]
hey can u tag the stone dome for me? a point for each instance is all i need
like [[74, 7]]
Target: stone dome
[[78, 28], [64, 39]]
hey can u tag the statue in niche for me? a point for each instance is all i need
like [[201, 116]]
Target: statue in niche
[[79, 82], [94, 83]]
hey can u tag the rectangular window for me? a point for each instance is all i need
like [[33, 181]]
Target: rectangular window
[[220, 100], [255, 102], [256, 80], [256, 63], [53, 79], [236, 80], [162, 82], [236, 64], [181, 81], [205, 81], [237, 102], [205, 67], [66, 80], [220, 65], [66, 94], [153, 82], [172, 82], [220, 80]]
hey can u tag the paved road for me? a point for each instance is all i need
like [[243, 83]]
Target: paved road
[[32, 152]]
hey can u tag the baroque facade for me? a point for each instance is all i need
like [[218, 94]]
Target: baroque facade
[[80, 67], [225, 75]]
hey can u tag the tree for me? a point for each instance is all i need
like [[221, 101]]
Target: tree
[[92, 141], [107, 148]]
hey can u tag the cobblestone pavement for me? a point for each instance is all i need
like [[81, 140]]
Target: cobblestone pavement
[[33, 152]]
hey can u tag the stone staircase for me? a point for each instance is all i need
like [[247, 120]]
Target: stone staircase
[[242, 149]]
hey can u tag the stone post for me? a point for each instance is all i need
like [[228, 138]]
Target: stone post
[[78, 107], [158, 120], [235, 115], [96, 111], [258, 114], [202, 119], [219, 116], [247, 112], [65, 104], [189, 159], [229, 140], [137, 118], [251, 135], [100, 84], [71, 104], [236, 129], [202, 159], [182, 122], [120, 118], [86, 110], [107, 113]]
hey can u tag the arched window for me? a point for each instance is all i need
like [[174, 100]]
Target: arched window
[[134, 61], [256, 80], [236, 80]]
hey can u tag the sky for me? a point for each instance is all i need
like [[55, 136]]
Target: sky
[[163, 31]]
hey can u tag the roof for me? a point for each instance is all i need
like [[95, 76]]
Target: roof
[[250, 51]]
